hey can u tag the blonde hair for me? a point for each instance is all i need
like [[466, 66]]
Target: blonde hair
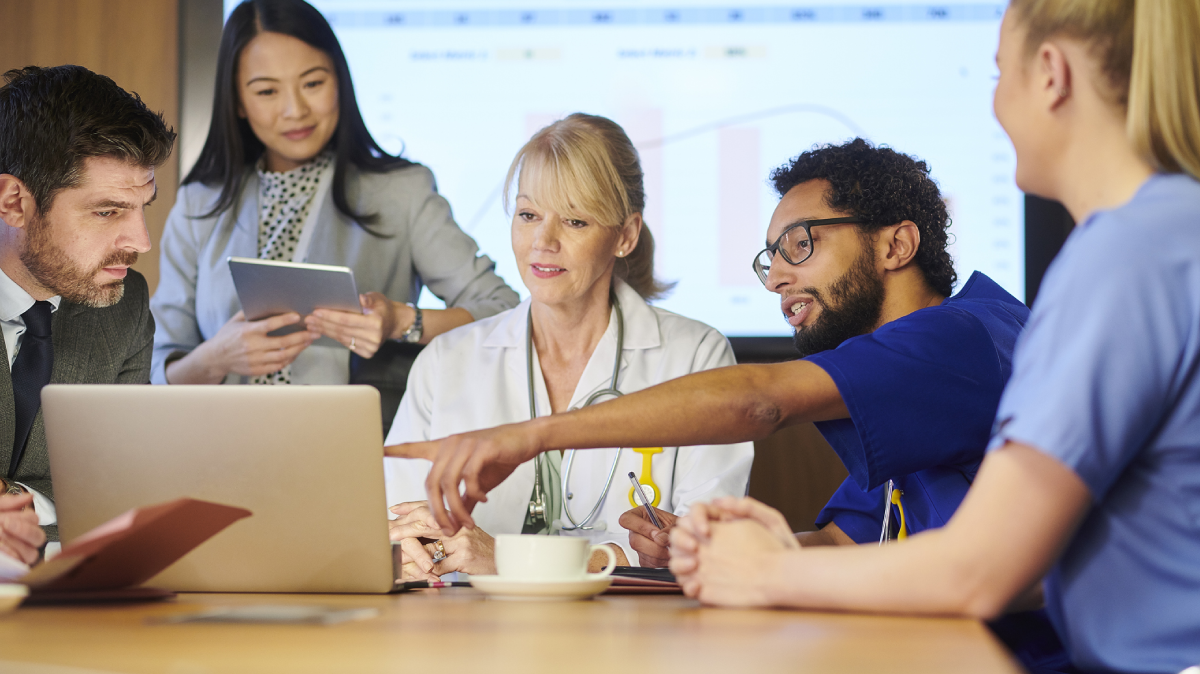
[[1147, 51], [586, 164]]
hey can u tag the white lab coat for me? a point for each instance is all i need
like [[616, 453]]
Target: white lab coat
[[475, 377]]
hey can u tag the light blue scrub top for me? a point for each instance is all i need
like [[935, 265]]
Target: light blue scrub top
[[1106, 379]]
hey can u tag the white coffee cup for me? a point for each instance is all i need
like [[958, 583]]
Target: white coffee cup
[[553, 558]]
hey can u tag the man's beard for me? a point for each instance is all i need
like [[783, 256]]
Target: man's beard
[[857, 298], [53, 269]]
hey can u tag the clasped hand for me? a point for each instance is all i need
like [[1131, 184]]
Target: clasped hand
[[725, 552], [470, 550]]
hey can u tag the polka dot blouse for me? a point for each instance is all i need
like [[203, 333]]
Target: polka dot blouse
[[285, 201]]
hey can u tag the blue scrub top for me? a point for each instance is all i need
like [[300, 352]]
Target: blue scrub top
[[922, 393], [1107, 381]]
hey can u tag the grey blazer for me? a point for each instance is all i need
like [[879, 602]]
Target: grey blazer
[[424, 246], [91, 346]]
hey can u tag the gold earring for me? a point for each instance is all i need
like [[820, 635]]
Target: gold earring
[[620, 253]]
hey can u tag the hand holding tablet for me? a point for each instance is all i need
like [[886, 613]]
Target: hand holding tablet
[[268, 288], [364, 332]]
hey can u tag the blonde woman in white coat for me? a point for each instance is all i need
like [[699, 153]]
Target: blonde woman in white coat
[[587, 260]]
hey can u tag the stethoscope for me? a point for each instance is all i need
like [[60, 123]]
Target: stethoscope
[[537, 505]]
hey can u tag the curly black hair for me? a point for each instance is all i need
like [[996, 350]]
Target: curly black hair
[[883, 187]]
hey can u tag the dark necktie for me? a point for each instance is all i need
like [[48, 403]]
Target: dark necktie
[[30, 372]]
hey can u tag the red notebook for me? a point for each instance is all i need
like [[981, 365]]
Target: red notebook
[[643, 580], [112, 560]]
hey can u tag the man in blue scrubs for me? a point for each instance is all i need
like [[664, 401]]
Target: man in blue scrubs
[[919, 388], [857, 253]]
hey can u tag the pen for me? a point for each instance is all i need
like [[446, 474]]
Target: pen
[[641, 495]]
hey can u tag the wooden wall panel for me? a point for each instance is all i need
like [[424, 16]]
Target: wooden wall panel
[[796, 471], [135, 42]]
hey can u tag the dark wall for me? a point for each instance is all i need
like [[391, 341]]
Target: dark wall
[[1047, 225]]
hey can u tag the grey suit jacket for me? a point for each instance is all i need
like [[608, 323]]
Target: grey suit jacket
[[91, 346], [421, 246]]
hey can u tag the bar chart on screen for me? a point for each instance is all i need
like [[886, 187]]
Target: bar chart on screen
[[713, 95]]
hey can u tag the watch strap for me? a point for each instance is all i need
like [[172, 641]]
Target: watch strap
[[413, 334]]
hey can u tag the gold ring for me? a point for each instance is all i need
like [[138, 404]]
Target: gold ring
[[441, 552], [352, 339]]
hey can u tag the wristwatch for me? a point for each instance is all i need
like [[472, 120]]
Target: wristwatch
[[413, 334]]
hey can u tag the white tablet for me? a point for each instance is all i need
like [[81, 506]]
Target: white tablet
[[268, 288]]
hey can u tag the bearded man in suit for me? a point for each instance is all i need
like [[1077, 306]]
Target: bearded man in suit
[[77, 161]]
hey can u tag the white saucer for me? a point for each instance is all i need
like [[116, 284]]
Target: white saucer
[[11, 596], [515, 589]]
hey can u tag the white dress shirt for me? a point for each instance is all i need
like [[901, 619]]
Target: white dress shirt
[[14, 301]]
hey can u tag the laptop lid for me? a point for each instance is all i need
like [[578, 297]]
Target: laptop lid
[[307, 461]]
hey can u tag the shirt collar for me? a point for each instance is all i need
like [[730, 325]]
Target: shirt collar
[[14, 301], [981, 287], [314, 166]]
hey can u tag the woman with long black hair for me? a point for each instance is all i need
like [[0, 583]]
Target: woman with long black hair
[[290, 172]]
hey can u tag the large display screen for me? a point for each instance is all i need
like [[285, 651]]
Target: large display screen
[[714, 96]]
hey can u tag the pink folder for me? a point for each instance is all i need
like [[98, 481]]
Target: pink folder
[[113, 559]]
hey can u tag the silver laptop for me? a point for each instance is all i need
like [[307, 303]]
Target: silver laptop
[[306, 460]]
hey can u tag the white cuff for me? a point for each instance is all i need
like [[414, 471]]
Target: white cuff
[[44, 507]]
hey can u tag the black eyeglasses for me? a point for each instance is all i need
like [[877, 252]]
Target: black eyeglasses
[[795, 244]]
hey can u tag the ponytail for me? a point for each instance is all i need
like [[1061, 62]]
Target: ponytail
[[1163, 120], [1147, 53], [637, 269]]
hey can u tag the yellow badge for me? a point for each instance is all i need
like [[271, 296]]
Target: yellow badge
[[647, 477]]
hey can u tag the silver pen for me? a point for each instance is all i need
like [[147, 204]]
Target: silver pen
[[641, 496]]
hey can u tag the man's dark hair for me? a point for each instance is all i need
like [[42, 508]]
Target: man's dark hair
[[882, 187], [52, 119]]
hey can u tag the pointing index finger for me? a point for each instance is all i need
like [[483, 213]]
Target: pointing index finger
[[413, 450], [433, 489], [460, 514]]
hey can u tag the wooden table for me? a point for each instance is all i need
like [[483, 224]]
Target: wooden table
[[458, 630]]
